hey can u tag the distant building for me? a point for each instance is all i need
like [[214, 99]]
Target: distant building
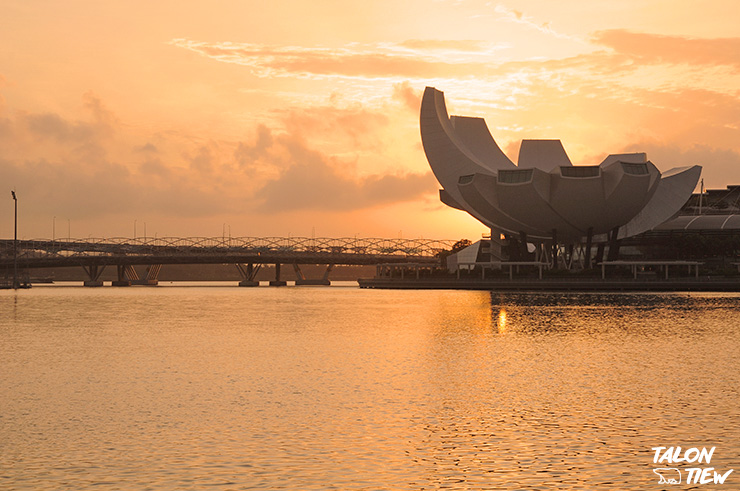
[[706, 228]]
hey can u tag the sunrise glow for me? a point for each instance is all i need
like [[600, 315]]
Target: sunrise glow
[[293, 118]]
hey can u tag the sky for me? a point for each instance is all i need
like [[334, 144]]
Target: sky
[[301, 118]]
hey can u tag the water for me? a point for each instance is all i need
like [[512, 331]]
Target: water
[[340, 388]]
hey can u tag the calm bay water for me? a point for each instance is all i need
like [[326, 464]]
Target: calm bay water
[[222, 387]]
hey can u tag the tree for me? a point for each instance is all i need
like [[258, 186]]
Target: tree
[[456, 247], [460, 245]]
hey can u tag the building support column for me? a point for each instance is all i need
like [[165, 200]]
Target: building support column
[[613, 245], [569, 256], [496, 248], [515, 248], [599, 253], [554, 249], [589, 241], [524, 253]]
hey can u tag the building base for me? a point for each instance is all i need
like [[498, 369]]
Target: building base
[[278, 283], [249, 283]]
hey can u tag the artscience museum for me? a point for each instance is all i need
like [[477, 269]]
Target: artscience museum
[[544, 198]]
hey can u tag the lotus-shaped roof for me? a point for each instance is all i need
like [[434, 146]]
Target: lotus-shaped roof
[[545, 195]]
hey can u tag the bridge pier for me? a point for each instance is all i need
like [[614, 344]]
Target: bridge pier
[[123, 277], [249, 274], [277, 281], [301, 279], [152, 275], [93, 272]]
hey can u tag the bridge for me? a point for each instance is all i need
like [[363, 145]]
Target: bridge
[[248, 254]]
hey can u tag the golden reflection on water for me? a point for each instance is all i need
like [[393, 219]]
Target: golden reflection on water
[[303, 388], [502, 321]]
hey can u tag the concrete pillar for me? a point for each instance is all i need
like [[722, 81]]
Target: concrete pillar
[[301, 279], [277, 281], [248, 274], [599, 253], [589, 240], [122, 279], [524, 252], [151, 278], [613, 245], [93, 273]]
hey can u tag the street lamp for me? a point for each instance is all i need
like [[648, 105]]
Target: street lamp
[[15, 242]]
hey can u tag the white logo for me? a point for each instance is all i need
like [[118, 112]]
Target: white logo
[[694, 475], [668, 475]]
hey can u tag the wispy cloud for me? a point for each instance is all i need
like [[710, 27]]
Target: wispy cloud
[[620, 59], [518, 17], [410, 59], [659, 49]]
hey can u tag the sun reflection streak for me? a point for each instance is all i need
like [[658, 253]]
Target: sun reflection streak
[[502, 321]]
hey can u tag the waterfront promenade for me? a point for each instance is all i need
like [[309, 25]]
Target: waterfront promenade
[[703, 283]]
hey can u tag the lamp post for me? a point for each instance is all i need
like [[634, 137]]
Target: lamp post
[[15, 242]]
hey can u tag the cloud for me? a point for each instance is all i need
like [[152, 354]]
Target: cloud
[[73, 168], [411, 59], [620, 62], [247, 154], [461, 45], [409, 97], [203, 160], [719, 164], [355, 127], [660, 49], [103, 117], [53, 126], [147, 148], [63, 166], [518, 17], [306, 178], [317, 182]]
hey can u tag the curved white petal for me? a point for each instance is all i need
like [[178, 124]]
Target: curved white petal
[[543, 154], [674, 188], [473, 132], [447, 155], [480, 193]]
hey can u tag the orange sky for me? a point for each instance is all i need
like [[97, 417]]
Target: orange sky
[[298, 117]]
